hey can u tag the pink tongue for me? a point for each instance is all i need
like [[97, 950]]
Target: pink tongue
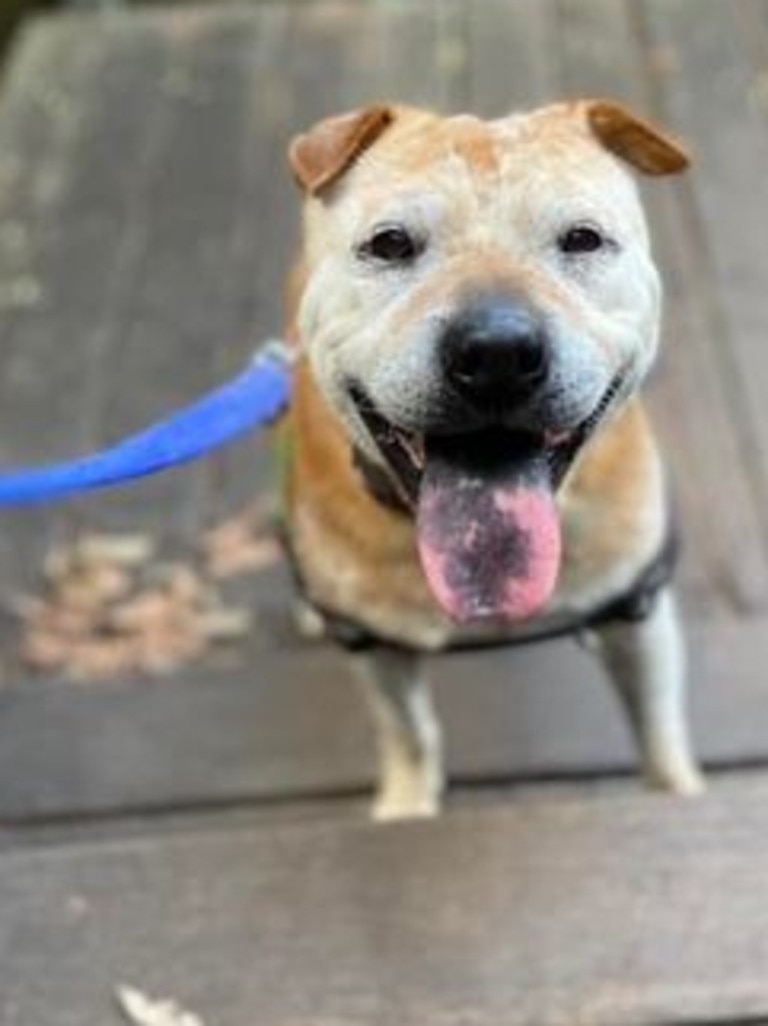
[[489, 539]]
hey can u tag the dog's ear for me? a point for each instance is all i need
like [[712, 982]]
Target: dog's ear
[[642, 144], [321, 155]]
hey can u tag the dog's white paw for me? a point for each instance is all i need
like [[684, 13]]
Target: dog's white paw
[[390, 808], [685, 780], [309, 624]]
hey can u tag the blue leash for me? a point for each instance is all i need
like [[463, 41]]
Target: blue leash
[[253, 399]]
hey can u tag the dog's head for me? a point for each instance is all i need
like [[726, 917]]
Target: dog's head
[[480, 298]]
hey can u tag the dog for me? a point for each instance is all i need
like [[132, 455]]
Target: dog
[[474, 309]]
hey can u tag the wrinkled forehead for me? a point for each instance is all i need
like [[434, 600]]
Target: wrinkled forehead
[[536, 159]]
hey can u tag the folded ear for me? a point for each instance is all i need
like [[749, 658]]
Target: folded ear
[[325, 152], [642, 144]]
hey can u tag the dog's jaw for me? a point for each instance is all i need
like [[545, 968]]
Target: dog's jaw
[[400, 454], [484, 504]]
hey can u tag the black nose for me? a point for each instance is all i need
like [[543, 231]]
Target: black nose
[[495, 352]]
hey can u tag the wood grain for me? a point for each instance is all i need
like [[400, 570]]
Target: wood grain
[[161, 252], [556, 908]]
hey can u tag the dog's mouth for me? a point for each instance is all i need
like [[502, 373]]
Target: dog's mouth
[[484, 501]]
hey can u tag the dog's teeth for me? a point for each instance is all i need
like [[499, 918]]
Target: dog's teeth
[[553, 439], [414, 447]]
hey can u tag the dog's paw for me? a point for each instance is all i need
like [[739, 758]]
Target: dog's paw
[[391, 808], [687, 780], [309, 623]]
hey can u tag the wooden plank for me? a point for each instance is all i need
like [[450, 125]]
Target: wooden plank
[[289, 725], [703, 84], [56, 259], [173, 303], [725, 571], [587, 906], [262, 226], [512, 56], [726, 568], [287, 722], [309, 64], [61, 197], [162, 294]]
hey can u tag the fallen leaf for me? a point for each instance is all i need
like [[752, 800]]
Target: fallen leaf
[[126, 550], [184, 584], [225, 623], [61, 620], [97, 659], [109, 607], [249, 556], [140, 1010], [144, 611], [44, 651], [242, 544]]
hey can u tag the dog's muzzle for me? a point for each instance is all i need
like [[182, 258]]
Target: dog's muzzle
[[481, 480]]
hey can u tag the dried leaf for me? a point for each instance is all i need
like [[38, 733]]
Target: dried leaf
[[249, 556], [184, 584], [95, 585], [66, 623], [58, 563], [78, 597], [44, 651], [244, 543], [125, 550], [140, 1010], [98, 660], [109, 609], [225, 623], [145, 611]]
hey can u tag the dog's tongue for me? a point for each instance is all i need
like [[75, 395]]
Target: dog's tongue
[[488, 529]]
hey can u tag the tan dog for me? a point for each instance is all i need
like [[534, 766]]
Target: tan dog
[[476, 306]]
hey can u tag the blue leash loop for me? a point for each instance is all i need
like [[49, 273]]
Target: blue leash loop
[[253, 399]]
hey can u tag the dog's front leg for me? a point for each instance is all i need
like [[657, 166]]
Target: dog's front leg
[[646, 661], [408, 734]]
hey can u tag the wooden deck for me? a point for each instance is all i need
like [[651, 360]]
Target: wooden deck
[[203, 836]]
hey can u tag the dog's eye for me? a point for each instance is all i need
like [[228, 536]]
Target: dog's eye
[[391, 244], [582, 238]]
